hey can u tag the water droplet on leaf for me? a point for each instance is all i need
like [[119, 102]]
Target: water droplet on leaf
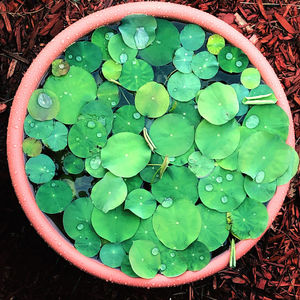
[[238, 63], [155, 251], [209, 187], [229, 177], [229, 56], [260, 177], [44, 100], [91, 124], [123, 58], [136, 115], [224, 199], [252, 122], [78, 58], [99, 134], [219, 179], [167, 202], [95, 163], [141, 38], [163, 267], [80, 226]]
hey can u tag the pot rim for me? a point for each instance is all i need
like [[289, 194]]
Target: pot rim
[[30, 82]]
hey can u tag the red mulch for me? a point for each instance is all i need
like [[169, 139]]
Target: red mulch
[[31, 270]]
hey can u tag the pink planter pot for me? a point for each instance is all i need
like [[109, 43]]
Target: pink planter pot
[[43, 225]]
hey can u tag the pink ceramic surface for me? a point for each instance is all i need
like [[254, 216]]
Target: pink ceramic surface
[[31, 81]]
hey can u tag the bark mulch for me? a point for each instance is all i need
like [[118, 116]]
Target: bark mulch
[[29, 269]]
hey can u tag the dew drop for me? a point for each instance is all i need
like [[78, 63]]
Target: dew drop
[[141, 38], [61, 66], [136, 115], [134, 62], [260, 177], [209, 187], [229, 177], [70, 56], [95, 163], [32, 124], [224, 199], [91, 124], [201, 257], [78, 58], [53, 184], [252, 122], [171, 159], [172, 254], [219, 179], [229, 56], [167, 202], [163, 267], [99, 134], [44, 100], [155, 251], [77, 139], [80, 226], [108, 35], [123, 58], [113, 103], [175, 89], [238, 63]]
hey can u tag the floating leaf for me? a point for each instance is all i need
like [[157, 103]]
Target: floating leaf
[[214, 230], [241, 93], [127, 119], [37, 129], [189, 111], [84, 54], [152, 100], [182, 219], [161, 51], [217, 142], [108, 93], [119, 51], [43, 104], [125, 154], [60, 67], [112, 255], [200, 165], [135, 73], [174, 185], [264, 157], [58, 138], [40, 169], [133, 183], [172, 263], [205, 65], [141, 203], [218, 103], [88, 244], [111, 70], [73, 164], [116, 225], [94, 167], [260, 95], [222, 190], [215, 44], [73, 91], [109, 192], [60, 194], [100, 37], [232, 59], [138, 31], [182, 60], [32, 147], [192, 37], [250, 78], [172, 135], [249, 220]]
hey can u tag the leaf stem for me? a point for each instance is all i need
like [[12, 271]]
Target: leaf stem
[[148, 140]]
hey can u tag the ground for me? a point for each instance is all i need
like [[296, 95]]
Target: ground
[[32, 270]]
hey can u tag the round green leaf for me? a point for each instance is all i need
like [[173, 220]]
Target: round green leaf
[[183, 87], [161, 51], [205, 65], [125, 154], [182, 60], [135, 73], [32, 147], [189, 111], [172, 263], [40, 169], [174, 185], [54, 196], [73, 90], [119, 51], [250, 78], [73, 164], [84, 54], [182, 220], [232, 59], [109, 192], [37, 129], [249, 220], [108, 93], [217, 142], [142, 261], [94, 167], [215, 44], [241, 93], [222, 190], [60, 67], [152, 100], [100, 37], [116, 225], [112, 255], [172, 135], [214, 230], [200, 165], [192, 37], [138, 31], [58, 138], [141, 203], [88, 244], [111, 70], [218, 103]]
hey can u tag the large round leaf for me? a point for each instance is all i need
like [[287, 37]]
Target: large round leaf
[[112, 255], [200, 165], [58, 138], [250, 78], [172, 263], [38, 129], [205, 65], [192, 37], [182, 60]]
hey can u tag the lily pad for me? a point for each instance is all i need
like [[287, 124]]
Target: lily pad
[[214, 231], [84, 54], [249, 220], [135, 73], [125, 154], [218, 103], [183, 87], [161, 51], [217, 142], [172, 263], [116, 225], [32, 147], [43, 104], [100, 37], [73, 91], [119, 51], [108, 93], [232, 59], [94, 167], [182, 60], [138, 31], [60, 194], [200, 165], [241, 93], [141, 202], [222, 190], [215, 44], [73, 164], [127, 119], [109, 192], [250, 78], [172, 135], [111, 70], [40, 169], [58, 138], [192, 37], [38, 129], [112, 255], [152, 100], [182, 219], [264, 157], [88, 244], [205, 65], [174, 185], [59, 67]]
